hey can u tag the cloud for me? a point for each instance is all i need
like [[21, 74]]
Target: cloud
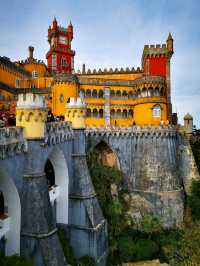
[[112, 34]]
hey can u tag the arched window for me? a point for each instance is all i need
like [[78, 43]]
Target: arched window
[[112, 94], [94, 93], [156, 111], [101, 113], [63, 62], [130, 113], [95, 113], [130, 95], [124, 113], [118, 94], [112, 113], [34, 74], [124, 94], [100, 93], [118, 113], [88, 113], [88, 93]]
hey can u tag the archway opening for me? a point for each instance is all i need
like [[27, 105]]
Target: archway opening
[[56, 171], [105, 155], [10, 215], [50, 174]]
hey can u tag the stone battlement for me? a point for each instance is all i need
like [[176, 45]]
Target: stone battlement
[[31, 101], [57, 132], [12, 142], [109, 71], [138, 131], [155, 49]]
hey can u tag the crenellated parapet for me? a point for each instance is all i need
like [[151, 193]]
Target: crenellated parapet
[[12, 142], [137, 131], [57, 132], [109, 71]]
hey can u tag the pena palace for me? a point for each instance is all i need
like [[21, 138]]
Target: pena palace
[[112, 97]]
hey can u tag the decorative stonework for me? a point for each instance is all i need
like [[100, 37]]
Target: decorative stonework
[[12, 142], [57, 132], [138, 131]]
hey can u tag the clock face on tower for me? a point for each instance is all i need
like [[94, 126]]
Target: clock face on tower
[[62, 40]]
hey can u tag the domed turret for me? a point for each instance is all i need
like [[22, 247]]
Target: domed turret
[[188, 123]]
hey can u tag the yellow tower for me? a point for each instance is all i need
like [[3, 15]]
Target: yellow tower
[[76, 112], [31, 113], [64, 87]]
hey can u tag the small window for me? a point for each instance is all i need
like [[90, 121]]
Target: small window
[[156, 111], [34, 74], [63, 62], [61, 98]]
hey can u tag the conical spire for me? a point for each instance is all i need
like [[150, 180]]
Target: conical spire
[[169, 36]]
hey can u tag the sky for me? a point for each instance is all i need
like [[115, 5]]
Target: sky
[[112, 33]]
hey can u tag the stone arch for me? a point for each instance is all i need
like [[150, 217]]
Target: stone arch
[[101, 113], [112, 93], [118, 94], [58, 189], [112, 113], [106, 155], [88, 112], [95, 112], [101, 93], [11, 222], [124, 113], [88, 93], [94, 93]]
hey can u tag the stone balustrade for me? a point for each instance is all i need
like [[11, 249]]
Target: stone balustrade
[[12, 142], [57, 132]]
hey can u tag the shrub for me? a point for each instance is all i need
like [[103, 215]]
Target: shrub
[[86, 261], [15, 260], [126, 249], [194, 200], [145, 249]]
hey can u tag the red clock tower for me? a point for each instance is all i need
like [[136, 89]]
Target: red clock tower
[[60, 57]]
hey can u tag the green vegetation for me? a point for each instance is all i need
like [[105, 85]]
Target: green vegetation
[[69, 254], [178, 247], [196, 151], [15, 261]]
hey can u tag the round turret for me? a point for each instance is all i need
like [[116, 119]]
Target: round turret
[[188, 123], [76, 112], [31, 113]]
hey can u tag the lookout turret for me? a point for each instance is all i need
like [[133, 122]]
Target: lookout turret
[[31, 113]]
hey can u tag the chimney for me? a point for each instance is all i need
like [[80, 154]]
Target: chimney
[[31, 49]]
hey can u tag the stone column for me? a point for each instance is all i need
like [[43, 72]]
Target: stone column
[[87, 226]]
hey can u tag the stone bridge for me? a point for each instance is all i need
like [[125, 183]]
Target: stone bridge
[[158, 167], [34, 206]]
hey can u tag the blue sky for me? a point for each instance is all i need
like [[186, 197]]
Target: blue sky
[[112, 33]]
